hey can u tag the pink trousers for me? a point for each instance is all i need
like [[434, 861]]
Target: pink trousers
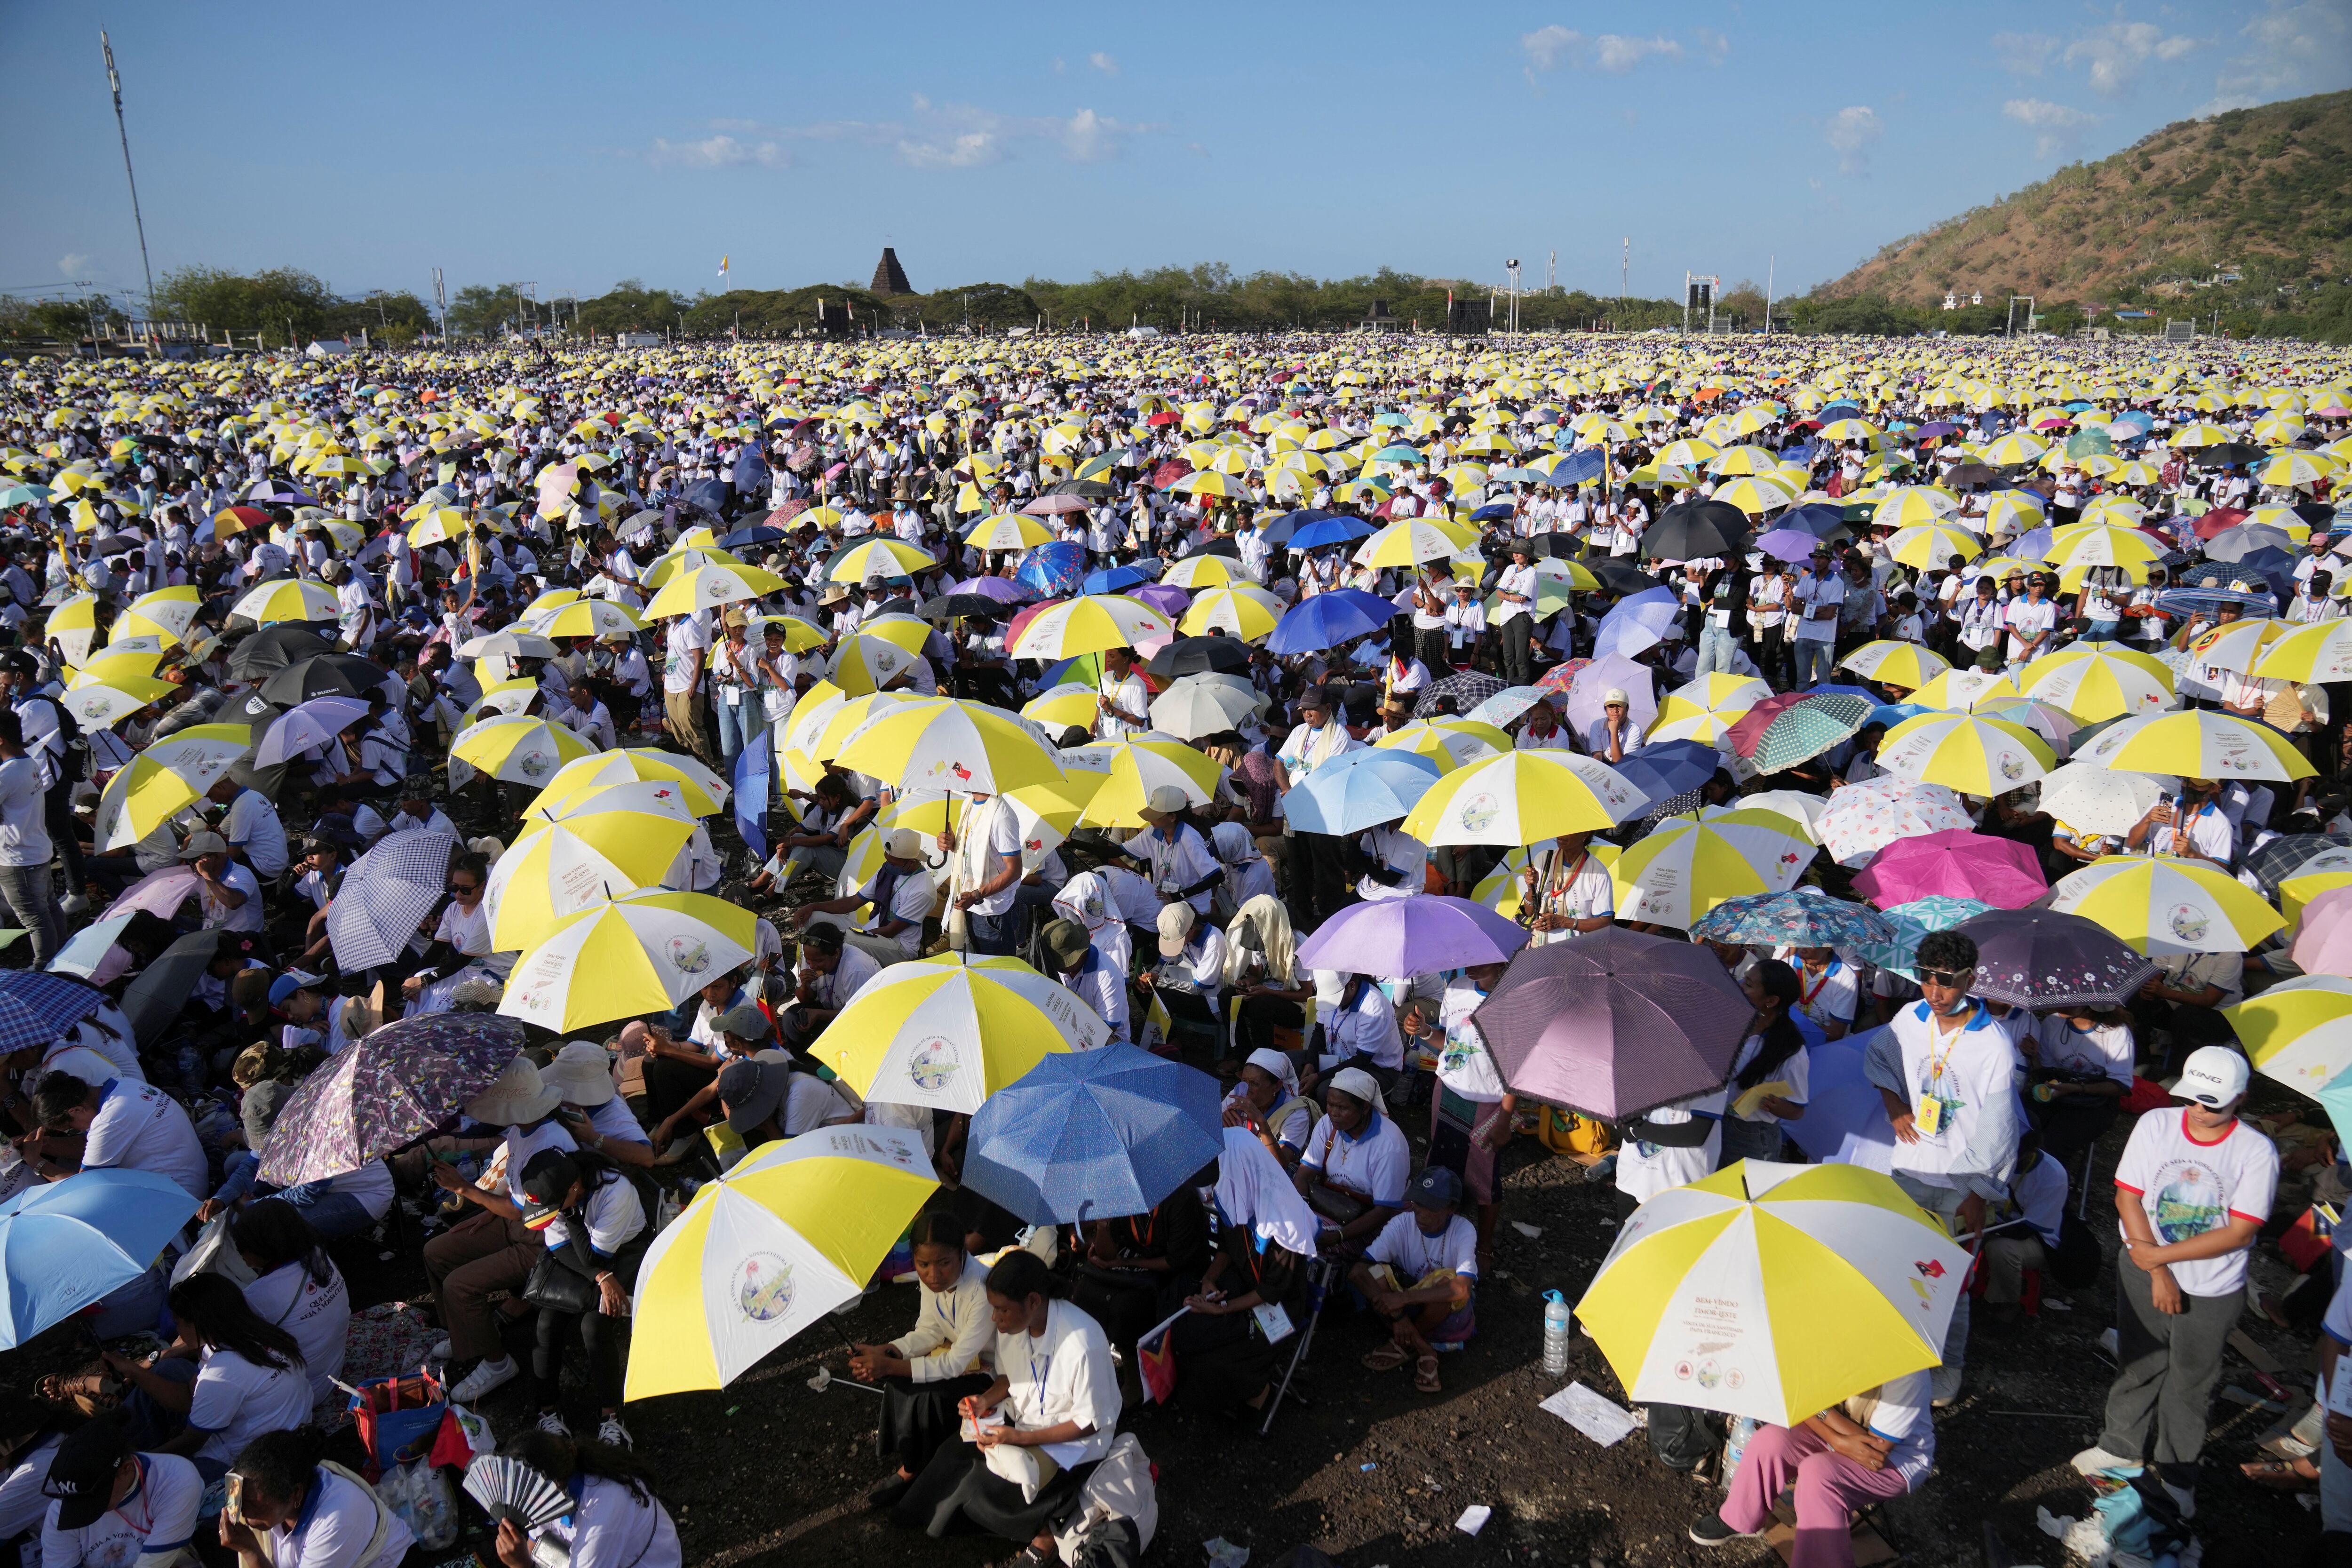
[[1829, 1487]]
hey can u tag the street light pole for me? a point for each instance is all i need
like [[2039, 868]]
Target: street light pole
[[114, 85]]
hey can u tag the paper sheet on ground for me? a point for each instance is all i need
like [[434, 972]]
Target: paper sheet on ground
[[1598, 1418]]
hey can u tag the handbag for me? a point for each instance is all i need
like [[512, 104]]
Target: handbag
[[560, 1288]]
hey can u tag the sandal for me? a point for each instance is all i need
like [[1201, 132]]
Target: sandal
[[1387, 1358], [1425, 1375], [2280, 1475]]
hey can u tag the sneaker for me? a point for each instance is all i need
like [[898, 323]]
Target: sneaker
[[485, 1376], [1944, 1386], [441, 1352], [2091, 1460], [552, 1422], [1713, 1531], [611, 1433], [74, 904]]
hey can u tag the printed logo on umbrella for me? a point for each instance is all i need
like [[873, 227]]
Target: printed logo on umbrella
[[2189, 922], [763, 1287], [689, 955], [531, 764], [933, 1064], [2012, 766], [1479, 812]]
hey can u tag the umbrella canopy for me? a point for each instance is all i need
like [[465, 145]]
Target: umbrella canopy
[[1053, 570], [1094, 1134], [1448, 743], [1781, 732], [1803, 917], [324, 675], [314, 722], [1707, 707], [2298, 1031], [1131, 770], [1637, 623], [289, 599], [163, 779], [1613, 1024], [2095, 801], [389, 1089], [1774, 1291], [2323, 940], [1671, 768], [1692, 528], [2197, 743], [1420, 933], [793, 1231], [1523, 797], [1088, 625], [2321, 651], [384, 896], [2162, 906], [2287, 855], [1953, 864], [2041, 958], [702, 791], [644, 951], [947, 1032], [66, 1245], [1195, 656], [1687, 868], [519, 748], [1902, 664], [1327, 620], [1863, 818], [1466, 691], [595, 845], [35, 1007], [1197, 706], [1965, 753], [1359, 789], [1244, 610], [272, 648], [942, 742], [1589, 687], [1913, 921]]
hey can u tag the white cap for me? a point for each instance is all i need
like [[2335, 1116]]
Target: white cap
[[903, 843], [1165, 800], [1175, 927], [2214, 1076], [1615, 694]]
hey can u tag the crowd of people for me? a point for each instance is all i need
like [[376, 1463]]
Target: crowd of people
[[264, 616]]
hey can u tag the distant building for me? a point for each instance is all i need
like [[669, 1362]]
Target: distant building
[[889, 277], [1378, 320]]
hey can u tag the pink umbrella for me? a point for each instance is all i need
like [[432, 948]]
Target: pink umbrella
[[2322, 945], [160, 893], [1051, 506], [1954, 864]]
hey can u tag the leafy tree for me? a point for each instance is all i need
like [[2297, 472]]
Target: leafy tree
[[629, 307], [482, 310], [58, 320], [283, 305]]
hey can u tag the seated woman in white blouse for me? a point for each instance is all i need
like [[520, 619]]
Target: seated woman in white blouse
[[1040, 1427], [926, 1374], [616, 1520]]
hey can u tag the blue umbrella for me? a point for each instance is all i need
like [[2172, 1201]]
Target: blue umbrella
[[1835, 689], [36, 1008], [1329, 619], [1893, 713], [1578, 465], [1845, 1117], [1819, 519], [1054, 569], [1281, 529], [69, 1243], [1359, 789], [1326, 528], [707, 495], [1791, 544], [1805, 917], [1117, 580], [1637, 622], [758, 533], [1670, 767], [1494, 513], [1505, 706], [1094, 1135]]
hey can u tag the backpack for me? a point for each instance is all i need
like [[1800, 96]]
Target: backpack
[[73, 749]]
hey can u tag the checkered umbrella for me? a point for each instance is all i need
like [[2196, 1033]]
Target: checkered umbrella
[[1781, 732], [35, 1007], [384, 895]]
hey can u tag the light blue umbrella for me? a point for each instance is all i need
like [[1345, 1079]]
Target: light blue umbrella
[[1094, 1135], [1803, 917], [1637, 623], [69, 1243], [1359, 789], [1508, 705]]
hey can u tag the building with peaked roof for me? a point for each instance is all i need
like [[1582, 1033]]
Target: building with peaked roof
[[889, 277]]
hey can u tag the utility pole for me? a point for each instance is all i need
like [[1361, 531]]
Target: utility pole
[[114, 85], [1551, 272], [441, 304], [1770, 263], [1513, 264], [1624, 263]]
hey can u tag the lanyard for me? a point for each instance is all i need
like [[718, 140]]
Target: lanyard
[[1807, 999], [1935, 1064], [1037, 1375]]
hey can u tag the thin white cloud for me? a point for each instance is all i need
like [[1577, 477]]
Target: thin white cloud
[[968, 150], [720, 152], [72, 262], [1103, 62], [1851, 132], [930, 136], [2289, 50], [2118, 52], [2026, 54], [1550, 47], [2055, 123]]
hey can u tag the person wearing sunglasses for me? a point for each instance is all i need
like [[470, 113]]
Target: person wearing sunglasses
[[461, 937], [1944, 1069]]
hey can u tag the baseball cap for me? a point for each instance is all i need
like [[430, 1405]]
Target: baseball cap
[[202, 844], [751, 1090], [547, 1180], [1435, 1188], [1175, 925], [745, 1023], [81, 1473], [1615, 694], [1068, 941], [291, 982], [2214, 1076], [1165, 800], [904, 843]]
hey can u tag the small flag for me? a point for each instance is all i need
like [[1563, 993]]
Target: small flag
[[722, 267], [1155, 1364], [752, 788]]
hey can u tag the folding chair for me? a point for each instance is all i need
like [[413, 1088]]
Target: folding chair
[[1322, 1274]]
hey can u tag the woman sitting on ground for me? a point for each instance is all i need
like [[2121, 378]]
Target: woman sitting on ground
[[616, 1518], [950, 1354], [296, 1286], [1135, 1270], [1038, 1429], [595, 1227], [1227, 1344], [1356, 1164], [233, 1376]]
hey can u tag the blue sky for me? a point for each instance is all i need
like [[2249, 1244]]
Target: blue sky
[[576, 145]]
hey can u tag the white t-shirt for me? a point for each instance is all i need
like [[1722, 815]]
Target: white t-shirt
[[140, 1128], [982, 847], [910, 901], [1970, 1073], [1645, 1169], [159, 1517], [614, 1528], [24, 832], [236, 1401], [2028, 618], [1464, 1064], [613, 1213], [1414, 1253], [1376, 1162], [1903, 1414], [333, 1530], [1796, 1071], [318, 1316], [23, 1504], [2189, 1188], [1814, 593], [2100, 1048], [1831, 996], [687, 636]]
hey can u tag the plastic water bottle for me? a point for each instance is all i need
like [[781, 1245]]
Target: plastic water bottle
[[1556, 1332]]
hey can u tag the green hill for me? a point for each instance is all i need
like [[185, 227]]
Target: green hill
[[2256, 203]]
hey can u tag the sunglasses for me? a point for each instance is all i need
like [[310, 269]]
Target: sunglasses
[[462, 889], [1947, 979]]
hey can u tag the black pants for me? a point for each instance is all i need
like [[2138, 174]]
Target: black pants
[[1319, 887], [1517, 653], [1434, 652], [56, 814], [599, 1335], [1259, 1017]]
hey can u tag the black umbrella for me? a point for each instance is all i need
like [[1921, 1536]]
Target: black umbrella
[[1200, 656], [153, 1000], [1972, 474], [327, 675], [962, 604], [272, 648], [1090, 490], [1464, 691], [2040, 958], [1691, 529], [1620, 575], [2227, 453]]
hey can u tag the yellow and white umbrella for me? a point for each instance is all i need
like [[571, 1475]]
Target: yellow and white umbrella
[[73, 624], [2197, 743], [1006, 531], [702, 791], [1089, 624], [1773, 1291], [167, 613], [164, 779], [598, 844], [519, 748], [1685, 868], [1966, 753], [290, 599], [1410, 542], [884, 558], [863, 664], [584, 618], [2098, 680], [770, 1249], [1958, 690], [1449, 742], [2239, 645], [2321, 651], [1131, 770], [1069, 706], [2162, 906], [1245, 610], [102, 701], [644, 951], [1905, 664], [1932, 546], [709, 585], [2298, 1031], [945, 1033], [1523, 797], [941, 742], [1705, 709], [1196, 573]]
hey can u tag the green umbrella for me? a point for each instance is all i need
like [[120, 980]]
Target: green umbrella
[[2094, 442], [1781, 732]]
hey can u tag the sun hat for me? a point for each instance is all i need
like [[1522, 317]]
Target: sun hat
[[1068, 941], [517, 1098], [581, 1073]]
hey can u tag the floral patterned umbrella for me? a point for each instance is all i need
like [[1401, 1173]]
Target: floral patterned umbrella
[[1866, 817], [1803, 917], [392, 1087], [1913, 920], [2040, 958]]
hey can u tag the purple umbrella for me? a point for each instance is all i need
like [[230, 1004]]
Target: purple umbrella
[[1169, 601], [1614, 1023], [1788, 544], [1597, 679], [1003, 590], [388, 1089], [1845, 1117], [2041, 958], [1420, 933]]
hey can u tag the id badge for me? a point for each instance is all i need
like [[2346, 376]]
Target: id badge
[[1273, 1322], [1928, 1116]]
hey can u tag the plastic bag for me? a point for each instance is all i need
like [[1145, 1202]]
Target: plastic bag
[[425, 1500]]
